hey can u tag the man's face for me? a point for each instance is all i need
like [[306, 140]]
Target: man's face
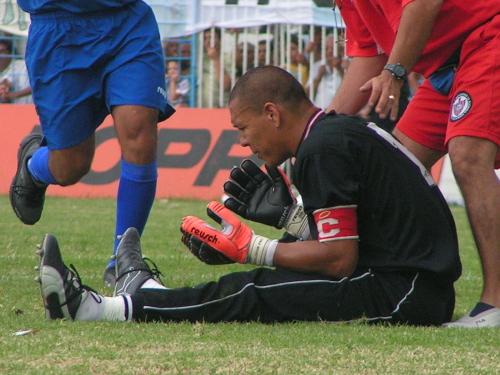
[[294, 53], [329, 47], [210, 42], [172, 68], [329, 51], [262, 54], [171, 48], [240, 52], [257, 131], [185, 50]]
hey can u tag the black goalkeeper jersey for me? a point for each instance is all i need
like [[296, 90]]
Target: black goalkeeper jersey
[[402, 218]]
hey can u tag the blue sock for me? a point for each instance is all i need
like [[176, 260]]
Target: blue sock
[[136, 194], [38, 166]]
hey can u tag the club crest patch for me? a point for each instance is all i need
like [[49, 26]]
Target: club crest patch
[[461, 106]]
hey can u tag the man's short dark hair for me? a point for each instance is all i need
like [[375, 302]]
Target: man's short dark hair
[[7, 43], [268, 84]]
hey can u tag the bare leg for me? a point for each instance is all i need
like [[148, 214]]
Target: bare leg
[[480, 187], [69, 165], [137, 132], [427, 156]]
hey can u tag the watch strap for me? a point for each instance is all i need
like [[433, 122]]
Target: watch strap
[[397, 70]]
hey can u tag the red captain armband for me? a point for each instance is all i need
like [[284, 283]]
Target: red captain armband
[[336, 223]]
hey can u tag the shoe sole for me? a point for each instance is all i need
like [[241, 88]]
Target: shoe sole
[[11, 190], [109, 280], [486, 319], [51, 289], [474, 324]]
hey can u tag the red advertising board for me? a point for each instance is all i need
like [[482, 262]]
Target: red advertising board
[[196, 150]]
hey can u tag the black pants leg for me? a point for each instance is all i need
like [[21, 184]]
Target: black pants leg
[[268, 295]]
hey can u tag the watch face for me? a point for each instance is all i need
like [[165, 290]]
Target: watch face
[[399, 71]]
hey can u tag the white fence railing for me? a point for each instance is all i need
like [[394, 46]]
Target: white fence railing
[[219, 40]]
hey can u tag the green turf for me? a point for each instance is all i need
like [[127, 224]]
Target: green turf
[[84, 229]]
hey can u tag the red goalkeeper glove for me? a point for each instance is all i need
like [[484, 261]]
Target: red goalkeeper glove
[[234, 242]]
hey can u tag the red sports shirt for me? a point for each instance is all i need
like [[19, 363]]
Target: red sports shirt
[[371, 27]]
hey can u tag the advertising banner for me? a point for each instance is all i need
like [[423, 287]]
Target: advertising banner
[[196, 150]]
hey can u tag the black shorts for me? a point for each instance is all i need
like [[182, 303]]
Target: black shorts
[[278, 295]]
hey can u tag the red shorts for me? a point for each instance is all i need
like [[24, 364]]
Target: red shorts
[[473, 106]]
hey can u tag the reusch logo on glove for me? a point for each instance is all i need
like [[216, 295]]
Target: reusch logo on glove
[[205, 236]]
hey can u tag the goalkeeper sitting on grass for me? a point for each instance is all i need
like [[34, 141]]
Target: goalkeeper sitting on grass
[[373, 238]]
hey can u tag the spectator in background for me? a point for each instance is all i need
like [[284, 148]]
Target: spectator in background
[[298, 63], [212, 57], [329, 74], [14, 81], [262, 50], [170, 48], [250, 60], [313, 48], [185, 51], [177, 87]]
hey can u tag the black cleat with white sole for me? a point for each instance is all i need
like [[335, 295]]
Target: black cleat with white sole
[[131, 268], [26, 195], [61, 287]]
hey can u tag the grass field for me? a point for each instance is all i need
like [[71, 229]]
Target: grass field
[[84, 229]]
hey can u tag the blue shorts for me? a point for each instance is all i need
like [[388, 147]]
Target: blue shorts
[[80, 66]]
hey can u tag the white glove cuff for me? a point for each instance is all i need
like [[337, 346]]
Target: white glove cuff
[[261, 251]]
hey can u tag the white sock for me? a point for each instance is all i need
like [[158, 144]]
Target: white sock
[[96, 307], [152, 284], [115, 308]]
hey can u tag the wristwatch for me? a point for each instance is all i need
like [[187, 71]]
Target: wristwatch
[[397, 70]]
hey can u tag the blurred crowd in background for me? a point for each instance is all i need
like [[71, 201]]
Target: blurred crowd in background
[[218, 57], [14, 81], [201, 69]]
